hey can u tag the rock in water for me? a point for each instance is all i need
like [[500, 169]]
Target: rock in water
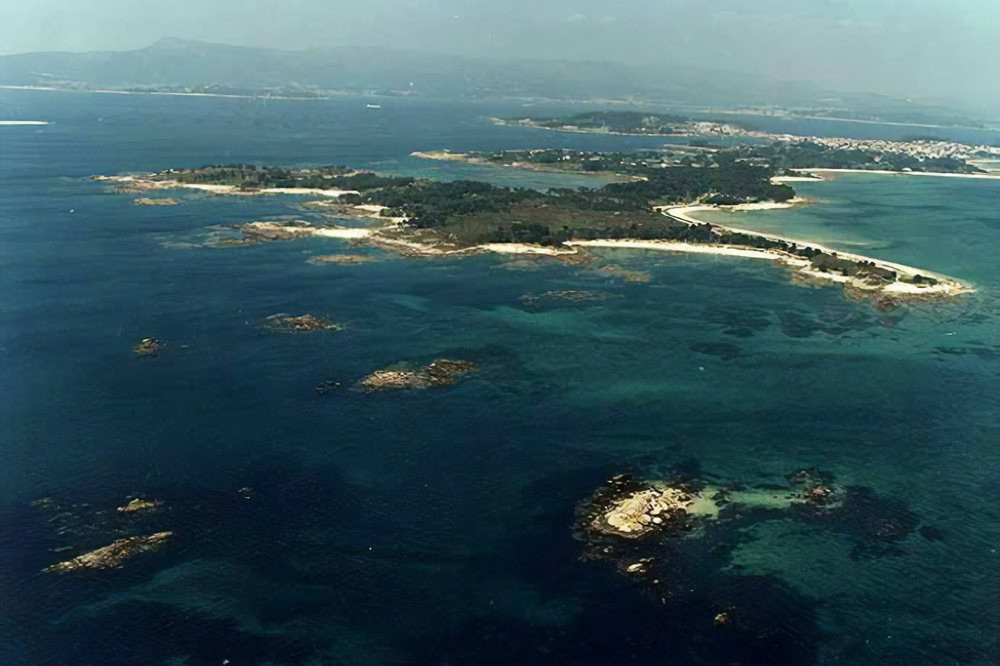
[[440, 372], [627, 508], [343, 259], [114, 554], [148, 347], [301, 323], [137, 504], [445, 371], [151, 201]]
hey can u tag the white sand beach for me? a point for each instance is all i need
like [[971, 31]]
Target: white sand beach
[[940, 174], [676, 246], [946, 286], [349, 233]]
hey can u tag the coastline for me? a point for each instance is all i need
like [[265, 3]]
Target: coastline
[[942, 174], [139, 184], [465, 158], [946, 285], [110, 91], [907, 281]]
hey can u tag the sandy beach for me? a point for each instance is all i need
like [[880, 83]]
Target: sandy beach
[[940, 174], [445, 155], [349, 233], [676, 246], [946, 286], [795, 179]]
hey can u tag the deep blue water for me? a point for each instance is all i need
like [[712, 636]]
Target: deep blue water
[[436, 526]]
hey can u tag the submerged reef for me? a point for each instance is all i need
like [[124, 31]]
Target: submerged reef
[[540, 301], [645, 526], [675, 537]]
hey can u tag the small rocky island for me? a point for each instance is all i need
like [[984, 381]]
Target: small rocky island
[[441, 372], [646, 527], [137, 504], [114, 554], [305, 323], [148, 347]]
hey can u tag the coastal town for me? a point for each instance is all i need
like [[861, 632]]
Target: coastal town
[[658, 124]]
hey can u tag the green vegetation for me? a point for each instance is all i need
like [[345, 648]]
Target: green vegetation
[[469, 213], [620, 122], [253, 177], [623, 122], [473, 212], [564, 159]]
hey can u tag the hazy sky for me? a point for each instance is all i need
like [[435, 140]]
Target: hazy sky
[[918, 48]]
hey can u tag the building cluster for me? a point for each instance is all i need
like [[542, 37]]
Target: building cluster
[[920, 148]]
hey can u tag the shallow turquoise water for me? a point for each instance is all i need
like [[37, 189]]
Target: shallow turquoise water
[[436, 527], [939, 223]]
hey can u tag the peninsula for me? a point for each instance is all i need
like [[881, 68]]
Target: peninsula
[[783, 151]]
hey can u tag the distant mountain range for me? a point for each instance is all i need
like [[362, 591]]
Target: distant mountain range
[[177, 64]]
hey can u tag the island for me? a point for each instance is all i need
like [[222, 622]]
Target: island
[[628, 122], [651, 210]]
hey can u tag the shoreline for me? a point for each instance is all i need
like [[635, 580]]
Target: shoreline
[[446, 155], [595, 130], [140, 184], [905, 283], [111, 91], [887, 172], [946, 286]]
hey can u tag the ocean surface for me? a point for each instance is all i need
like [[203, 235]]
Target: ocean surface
[[437, 526]]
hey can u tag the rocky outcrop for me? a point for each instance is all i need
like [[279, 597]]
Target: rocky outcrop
[[627, 508], [114, 554], [305, 323], [440, 372], [340, 259], [148, 347], [252, 233], [160, 201], [136, 505]]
